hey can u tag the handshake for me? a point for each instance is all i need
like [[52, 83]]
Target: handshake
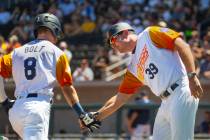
[[89, 121]]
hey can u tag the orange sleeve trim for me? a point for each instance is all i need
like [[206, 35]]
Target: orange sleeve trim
[[163, 37], [63, 72], [6, 66], [130, 84]]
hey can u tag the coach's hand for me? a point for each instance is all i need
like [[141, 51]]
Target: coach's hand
[[7, 104], [195, 87], [89, 121]]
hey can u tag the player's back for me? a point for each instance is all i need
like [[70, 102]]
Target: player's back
[[34, 67]]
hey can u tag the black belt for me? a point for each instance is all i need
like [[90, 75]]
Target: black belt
[[167, 93], [30, 95]]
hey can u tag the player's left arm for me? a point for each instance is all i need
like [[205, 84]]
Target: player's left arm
[[186, 55]]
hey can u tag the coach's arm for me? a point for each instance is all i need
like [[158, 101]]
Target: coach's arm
[[127, 88], [187, 57], [112, 105]]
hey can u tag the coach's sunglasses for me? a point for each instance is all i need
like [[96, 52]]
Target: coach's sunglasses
[[113, 39]]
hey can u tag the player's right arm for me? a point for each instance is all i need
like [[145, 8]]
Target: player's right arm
[[128, 87]]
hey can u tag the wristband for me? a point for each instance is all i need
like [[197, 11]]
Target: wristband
[[191, 74], [78, 108]]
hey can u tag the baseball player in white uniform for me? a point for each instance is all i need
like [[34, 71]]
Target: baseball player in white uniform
[[35, 67], [164, 62]]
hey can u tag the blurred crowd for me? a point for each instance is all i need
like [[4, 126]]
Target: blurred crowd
[[86, 22]]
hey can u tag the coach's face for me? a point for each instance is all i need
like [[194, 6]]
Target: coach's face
[[121, 42]]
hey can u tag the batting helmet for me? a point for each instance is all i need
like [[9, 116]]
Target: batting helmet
[[118, 27], [50, 21]]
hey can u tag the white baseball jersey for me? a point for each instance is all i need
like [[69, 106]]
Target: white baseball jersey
[[35, 67], [154, 62]]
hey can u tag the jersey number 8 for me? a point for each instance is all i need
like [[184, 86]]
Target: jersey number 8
[[29, 65]]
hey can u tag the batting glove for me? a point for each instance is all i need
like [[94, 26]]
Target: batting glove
[[89, 120]]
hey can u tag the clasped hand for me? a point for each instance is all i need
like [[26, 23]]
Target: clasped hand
[[89, 121]]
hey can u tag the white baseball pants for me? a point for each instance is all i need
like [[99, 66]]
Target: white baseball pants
[[30, 117], [175, 119]]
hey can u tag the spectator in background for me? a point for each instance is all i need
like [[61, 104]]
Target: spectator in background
[[138, 119], [206, 39], [5, 16], [84, 72], [54, 10], [67, 7], [205, 66], [13, 43], [197, 51], [205, 125], [114, 57], [3, 45], [88, 10], [16, 15], [137, 25], [63, 46], [88, 26], [73, 28], [19, 31], [100, 62], [198, 54], [194, 38]]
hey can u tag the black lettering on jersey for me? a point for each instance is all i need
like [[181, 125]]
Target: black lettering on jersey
[[41, 48], [33, 49], [152, 70]]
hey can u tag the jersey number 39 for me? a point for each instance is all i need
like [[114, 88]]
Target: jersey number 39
[[152, 70], [30, 68]]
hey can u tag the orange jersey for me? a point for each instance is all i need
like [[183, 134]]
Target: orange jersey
[[153, 62], [36, 67]]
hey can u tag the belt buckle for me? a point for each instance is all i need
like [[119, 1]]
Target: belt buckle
[[167, 93]]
